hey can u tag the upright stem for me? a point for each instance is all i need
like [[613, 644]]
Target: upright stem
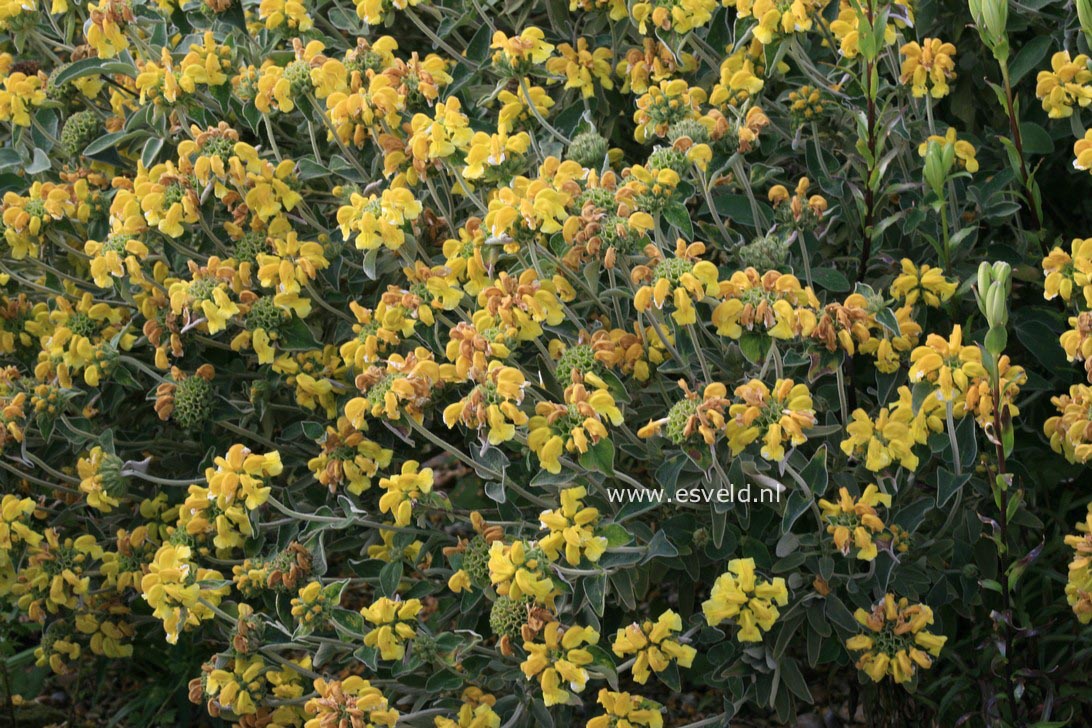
[[870, 197], [1002, 553], [1018, 142]]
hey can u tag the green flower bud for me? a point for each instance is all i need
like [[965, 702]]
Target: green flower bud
[[193, 402], [692, 129], [677, 417], [765, 253], [264, 314], [581, 358], [588, 149], [113, 482], [668, 158], [1084, 14], [79, 130], [298, 74], [476, 562], [508, 616]]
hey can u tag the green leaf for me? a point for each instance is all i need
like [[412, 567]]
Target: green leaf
[[660, 547], [794, 679], [1035, 139], [104, 142], [94, 67], [754, 346], [295, 335], [1031, 55], [444, 681], [599, 457], [616, 535], [10, 158], [151, 150], [830, 279], [40, 163], [737, 208], [677, 214], [595, 589], [948, 484], [389, 577]]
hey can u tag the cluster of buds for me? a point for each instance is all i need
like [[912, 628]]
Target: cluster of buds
[[991, 18], [994, 288]]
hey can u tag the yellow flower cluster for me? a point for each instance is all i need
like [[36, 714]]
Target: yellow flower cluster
[[895, 642], [653, 646], [180, 593], [560, 659], [395, 623], [1078, 589], [928, 67], [1068, 83], [854, 522], [520, 570], [746, 599], [572, 529], [891, 436]]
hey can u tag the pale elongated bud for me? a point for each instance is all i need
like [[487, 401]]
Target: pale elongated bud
[[991, 17], [1084, 14]]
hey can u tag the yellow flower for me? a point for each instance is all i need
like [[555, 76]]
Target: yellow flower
[[559, 659], [174, 590], [402, 387], [894, 433], [665, 104], [964, 150], [101, 479], [947, 363], [854, 522], [1070, 431], [19, 94], [495, 157], [653, 645], [1068, 83], [777, 416], [492, 407], [348, 459], [476, 711], [623, 710], [290, 13], [582, 68], [517, 55], [241, 477], [774, 303], [739, 80], [925, 283], [895, 641], [403, 490], [1078, 589], [313, 604], [1065, 273], [395, 623], [780, 18], [680, 17], [108, 21], [352, 700], [575, 426], [379, 220], [1082, 152], [928, 67], [572, 528], [748, 600], [683, 280], [520, 570]]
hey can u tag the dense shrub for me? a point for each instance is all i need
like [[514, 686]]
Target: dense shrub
[[480, 363]]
